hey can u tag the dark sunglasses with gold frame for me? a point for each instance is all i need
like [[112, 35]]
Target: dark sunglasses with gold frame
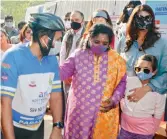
[[145, 70]]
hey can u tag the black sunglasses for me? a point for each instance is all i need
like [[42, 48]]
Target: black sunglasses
[[147, 18], [145, 70]]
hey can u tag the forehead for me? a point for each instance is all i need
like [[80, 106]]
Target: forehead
[[144, 63], [99, 19], [101, 37], [76, 15], [143, 13], [28, 29]]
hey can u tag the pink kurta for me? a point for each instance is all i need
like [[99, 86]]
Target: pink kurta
[[85, 95]]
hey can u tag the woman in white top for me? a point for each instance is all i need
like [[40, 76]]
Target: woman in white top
[[141, 119]]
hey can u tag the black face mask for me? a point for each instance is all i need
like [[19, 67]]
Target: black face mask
[[143, 23], [75, 25]]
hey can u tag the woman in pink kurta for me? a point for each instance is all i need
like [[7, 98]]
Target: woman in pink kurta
[[89, 70]]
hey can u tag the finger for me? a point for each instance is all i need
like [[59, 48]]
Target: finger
[[132, 90], [131, 97], [135, 100]]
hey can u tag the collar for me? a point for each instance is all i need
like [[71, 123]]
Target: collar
[[2, 52]]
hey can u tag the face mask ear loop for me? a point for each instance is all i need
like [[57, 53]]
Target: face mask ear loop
[[51, 37], [44, 43], [40, 45]]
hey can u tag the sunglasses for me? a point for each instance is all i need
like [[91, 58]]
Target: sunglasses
[[147, 18], [145, 70]]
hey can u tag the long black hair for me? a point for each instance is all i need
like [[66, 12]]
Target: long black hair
[[132, 31]]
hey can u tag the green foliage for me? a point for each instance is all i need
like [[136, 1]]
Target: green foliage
[[17, 8]]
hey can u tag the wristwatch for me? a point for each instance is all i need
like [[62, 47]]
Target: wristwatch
[[58, 124]]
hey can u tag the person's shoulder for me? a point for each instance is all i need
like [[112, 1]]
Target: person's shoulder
[[21, 46], [16, 48], [51, 57], [52, 62], [67, 34], [80, 51], [123, 38], [161, 41], [15, 30], [70, 31], [14, 39], [115, 55]]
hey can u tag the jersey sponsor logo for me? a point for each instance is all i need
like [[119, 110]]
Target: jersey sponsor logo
[[5, 66], [4, 76], [43, 94], [24, 122], [42, 98], [40, 109], [32, 84]]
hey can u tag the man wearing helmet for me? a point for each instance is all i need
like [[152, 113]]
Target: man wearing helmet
[[30, 77]]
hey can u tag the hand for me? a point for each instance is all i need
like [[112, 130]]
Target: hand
[[106, 106], [68, 81], [138, 94], [56, 133]]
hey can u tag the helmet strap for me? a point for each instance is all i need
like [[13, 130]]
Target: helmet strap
[[45, 50]]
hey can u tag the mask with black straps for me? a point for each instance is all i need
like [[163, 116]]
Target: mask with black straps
[[75, 25], [143, 22], [45, 50]]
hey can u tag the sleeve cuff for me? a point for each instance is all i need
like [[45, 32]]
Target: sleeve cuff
[[152, 87], [7, 94], [59, 90], [56, 86]]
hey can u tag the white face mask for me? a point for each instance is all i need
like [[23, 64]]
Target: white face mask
[[56, 49], [67, 24], [9, 24]]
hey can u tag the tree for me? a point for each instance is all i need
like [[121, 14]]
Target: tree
[[17, 8]]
